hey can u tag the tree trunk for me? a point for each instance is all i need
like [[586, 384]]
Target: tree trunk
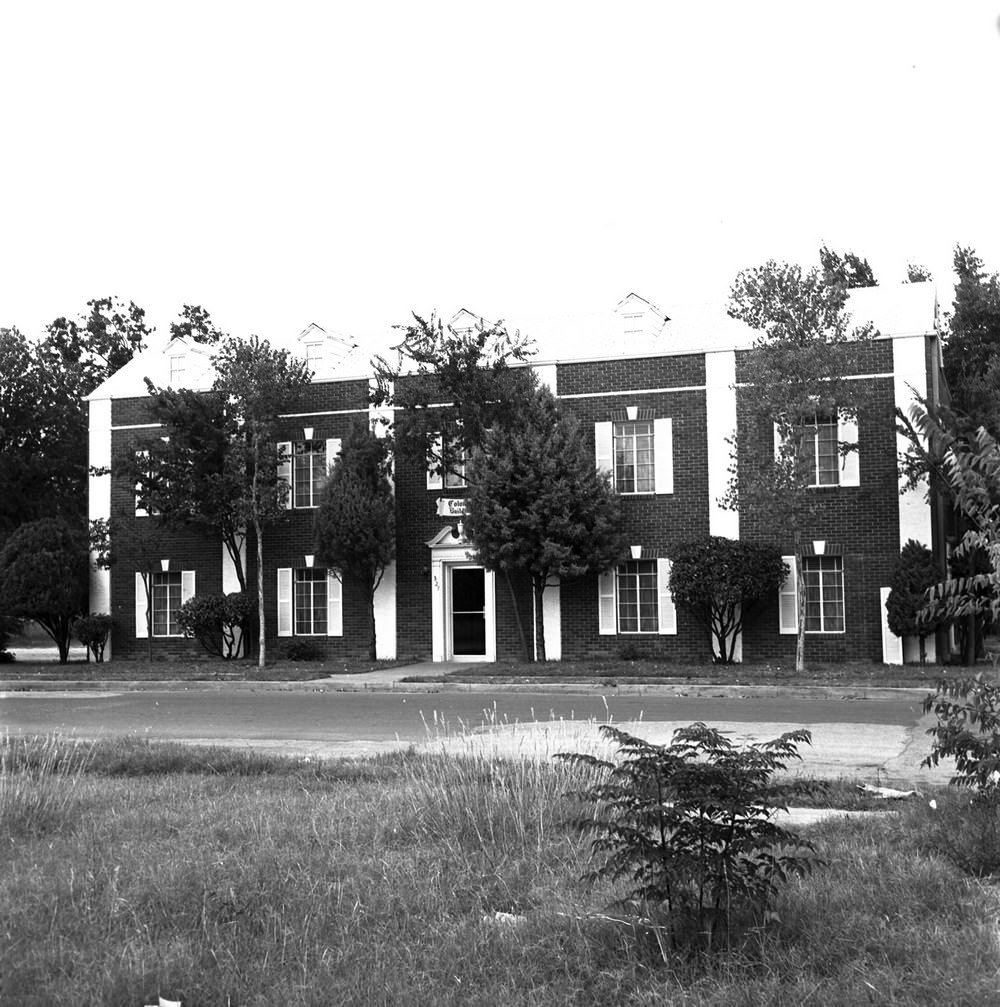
[[528, 655], [260, 594], [537, 590], [147, 583]]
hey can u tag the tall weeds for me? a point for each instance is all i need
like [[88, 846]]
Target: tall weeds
[[40, 784]]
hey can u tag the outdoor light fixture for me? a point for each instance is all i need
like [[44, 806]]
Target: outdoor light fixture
[[819, 546]]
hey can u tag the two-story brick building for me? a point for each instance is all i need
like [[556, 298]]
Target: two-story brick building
[[663, 398]]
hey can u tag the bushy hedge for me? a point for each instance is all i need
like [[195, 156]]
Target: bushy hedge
[[221, 623]]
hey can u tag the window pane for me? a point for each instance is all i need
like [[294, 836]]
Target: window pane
[[310, 602], [166, 599], [824, 585], [308, 472], [827, 453], [634, 457], [638, 609]]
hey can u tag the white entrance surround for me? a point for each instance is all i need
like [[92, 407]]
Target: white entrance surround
[[450, 549]]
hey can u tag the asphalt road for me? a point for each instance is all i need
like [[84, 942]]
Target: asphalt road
[[864, 736]]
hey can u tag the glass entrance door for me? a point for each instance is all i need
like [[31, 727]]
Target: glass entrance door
[[468, 611]]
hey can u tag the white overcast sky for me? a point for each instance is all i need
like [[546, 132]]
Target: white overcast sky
[[345, 163]]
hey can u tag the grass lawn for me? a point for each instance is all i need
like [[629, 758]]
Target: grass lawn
[[614, 670], [216, 877], [610, 671], [185, 670]]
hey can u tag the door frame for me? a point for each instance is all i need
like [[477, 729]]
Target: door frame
[[450, 548]]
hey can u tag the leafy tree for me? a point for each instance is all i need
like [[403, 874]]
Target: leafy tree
[[847, 270], [537, 505], [43, 576], [188, 474], [915, 273], [449, 387], [690, 828], [93, 631], [719, 580], [796, 375], [355, 526], [972, 349], [256, 383], [196, 323], [916, 572]]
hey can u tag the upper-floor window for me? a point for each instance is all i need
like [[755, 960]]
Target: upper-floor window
[[637, 451], [314, 353], [829, 450], [308, 472], [452, 477], [635, 465]]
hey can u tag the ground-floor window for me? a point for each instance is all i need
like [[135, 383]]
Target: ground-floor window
[[166, 590], [824, 583], [310, 602], [634, 597], [637, 597]]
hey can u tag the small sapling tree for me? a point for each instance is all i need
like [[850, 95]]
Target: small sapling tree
[[719, 580], [354, 531], [689, 827]]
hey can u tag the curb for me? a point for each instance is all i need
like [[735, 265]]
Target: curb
[[345, 684]]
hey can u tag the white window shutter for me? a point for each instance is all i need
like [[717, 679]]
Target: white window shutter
[[604, 447], [435, 477], [187, 585], [607, 621], [285, 468], [788, 601], [850, 464], [334, 604], [668, 611], [892, 645], [284, 601], [141, 630], [332, 450], [663, 456], [777, 443]]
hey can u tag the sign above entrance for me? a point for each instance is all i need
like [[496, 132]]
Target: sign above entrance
[[451, 507]]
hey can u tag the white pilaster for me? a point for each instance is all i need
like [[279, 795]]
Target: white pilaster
[[552, 621], [720, 406], [99, 498], [385, 615], [910, 383]]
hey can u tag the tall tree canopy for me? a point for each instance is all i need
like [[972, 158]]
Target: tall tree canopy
[[355, 525], [536, 503], [798, 387], [256, 383], [449, 387], [847, 270]]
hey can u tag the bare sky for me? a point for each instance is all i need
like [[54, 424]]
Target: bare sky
[[345, 163]]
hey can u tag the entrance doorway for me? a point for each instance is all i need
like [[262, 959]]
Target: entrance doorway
[[467, 591]]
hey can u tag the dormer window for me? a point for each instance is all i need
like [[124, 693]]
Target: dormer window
[[177, 369], [314, 353], [633, 324]]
